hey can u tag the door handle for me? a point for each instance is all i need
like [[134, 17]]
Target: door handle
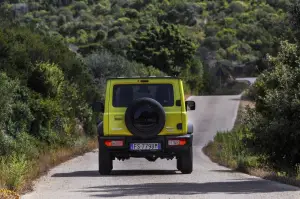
[[118, 117]]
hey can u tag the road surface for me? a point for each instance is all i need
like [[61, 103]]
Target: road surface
[[138, 178], [251, 80]]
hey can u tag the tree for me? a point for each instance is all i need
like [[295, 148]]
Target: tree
[[104, 64], [163, 47], [294, 16], [237, 6]]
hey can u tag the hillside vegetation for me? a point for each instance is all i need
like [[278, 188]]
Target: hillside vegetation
[[56, 55], [231, 35]]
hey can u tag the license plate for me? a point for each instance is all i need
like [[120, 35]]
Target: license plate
[[145, 146]]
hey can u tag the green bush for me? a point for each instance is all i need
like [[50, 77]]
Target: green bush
[[274, 122], [7, 91], [238, 6], [80, 5], [7, 145], [46, 79], [100, 36], [132, 13], [231, 149], [193, 76]]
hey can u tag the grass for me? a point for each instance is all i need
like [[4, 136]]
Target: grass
[[17, 172], [228, 149], [13, 171]]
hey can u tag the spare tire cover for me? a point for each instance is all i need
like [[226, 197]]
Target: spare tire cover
[[145, 118]]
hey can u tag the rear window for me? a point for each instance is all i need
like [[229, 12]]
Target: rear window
[[123, 95]]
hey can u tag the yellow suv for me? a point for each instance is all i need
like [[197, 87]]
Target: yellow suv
[[145, 117]]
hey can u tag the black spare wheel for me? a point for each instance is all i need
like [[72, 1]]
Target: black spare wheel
[[145, 118]]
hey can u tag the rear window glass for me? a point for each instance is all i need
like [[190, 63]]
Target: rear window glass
[[123, 95]]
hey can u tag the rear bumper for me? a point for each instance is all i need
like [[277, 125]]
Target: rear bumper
[[166, 151]]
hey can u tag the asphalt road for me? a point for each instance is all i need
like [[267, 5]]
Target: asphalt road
[[251, 80], [138, 178]]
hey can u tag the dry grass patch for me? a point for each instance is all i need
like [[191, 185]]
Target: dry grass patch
[[55, 157], [18, 172], [7, 194]]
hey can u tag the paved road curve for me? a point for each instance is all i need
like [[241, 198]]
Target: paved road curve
[[138, 178], [251, 80]]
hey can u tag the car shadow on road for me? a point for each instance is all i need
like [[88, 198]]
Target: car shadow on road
[[115, 173], [225, 171], [247, 186]]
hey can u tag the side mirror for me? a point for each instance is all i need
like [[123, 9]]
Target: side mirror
[[98, 107], [190, 105]]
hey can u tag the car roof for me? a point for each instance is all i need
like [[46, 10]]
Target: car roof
[[143, 77]]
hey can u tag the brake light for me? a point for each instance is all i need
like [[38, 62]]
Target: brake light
[[111, 143], [177, 142]]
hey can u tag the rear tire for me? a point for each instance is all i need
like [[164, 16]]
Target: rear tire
[[100, 129], [105, 162], [179, 164], [185, 162]]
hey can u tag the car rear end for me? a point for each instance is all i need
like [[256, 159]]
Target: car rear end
[[167, 91], [145, 118]]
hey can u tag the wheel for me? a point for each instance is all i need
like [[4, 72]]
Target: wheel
[[185, 162], [105, 162], [179, 164]]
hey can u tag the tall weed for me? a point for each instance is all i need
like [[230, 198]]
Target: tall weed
[[13, 171], [231, 149]]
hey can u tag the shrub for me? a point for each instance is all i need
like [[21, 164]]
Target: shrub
[[65, 11], [274, 122], [100, 9], [80, 5], [46, 79], [237, 6], [101, 35], [230, 149], [193, 77], [7, 91], [213, 43], [7, 144], [82, 36], [86, 17], [132, 13]]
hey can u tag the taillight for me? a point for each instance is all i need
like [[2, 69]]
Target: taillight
[[177, 142], [112, 143]]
